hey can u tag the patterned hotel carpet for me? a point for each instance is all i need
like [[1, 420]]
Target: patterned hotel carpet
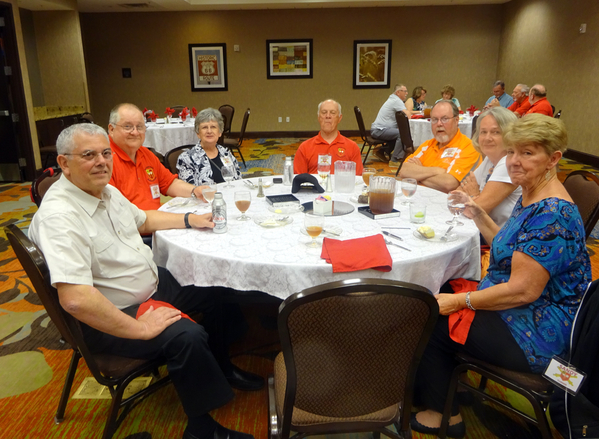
[[33, 362]]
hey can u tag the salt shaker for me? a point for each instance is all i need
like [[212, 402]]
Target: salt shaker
[[219, 213], [288, 171], [260, 189]]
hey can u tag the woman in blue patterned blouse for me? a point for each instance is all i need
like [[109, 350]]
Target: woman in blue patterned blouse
[[538, 272], [203, 163]]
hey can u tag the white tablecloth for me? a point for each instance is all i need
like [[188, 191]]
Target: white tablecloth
[[421, 129], [164, 137], [276, 261]]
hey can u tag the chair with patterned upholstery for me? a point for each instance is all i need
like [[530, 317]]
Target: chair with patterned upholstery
[[350, 351], [109, 370]]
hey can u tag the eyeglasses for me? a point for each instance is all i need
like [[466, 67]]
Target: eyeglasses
[[130, 128], [92, 155], [443, 120]]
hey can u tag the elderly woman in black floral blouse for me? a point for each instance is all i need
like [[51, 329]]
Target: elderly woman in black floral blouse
[[203, 163]]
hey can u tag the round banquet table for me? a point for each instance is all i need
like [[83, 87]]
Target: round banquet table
[[276, 260], [421, 129], [166, 136]]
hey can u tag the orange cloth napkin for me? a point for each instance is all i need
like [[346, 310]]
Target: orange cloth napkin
[[156, 304], [357, 254], [417, 116], [460, 321]]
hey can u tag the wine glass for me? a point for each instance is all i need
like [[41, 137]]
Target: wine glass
[[366, 174], [324, 166], [314, 224], [408, 188], [456, 207], [228, 173], [208, 193], [243, 199]]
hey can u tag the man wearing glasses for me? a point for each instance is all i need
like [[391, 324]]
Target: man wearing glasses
[[442, 162], [106, 278], [137, 172]]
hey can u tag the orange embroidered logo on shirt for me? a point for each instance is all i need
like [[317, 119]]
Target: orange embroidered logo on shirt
[[150, 172], [340, 152]]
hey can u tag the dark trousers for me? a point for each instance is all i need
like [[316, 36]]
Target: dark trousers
[[192, 366], [489, 340]]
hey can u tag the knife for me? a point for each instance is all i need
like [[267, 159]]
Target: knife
[[392, 235], [396, 245]]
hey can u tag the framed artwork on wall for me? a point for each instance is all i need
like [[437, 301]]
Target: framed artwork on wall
[[208, 67], [288, 59], [372, 63]]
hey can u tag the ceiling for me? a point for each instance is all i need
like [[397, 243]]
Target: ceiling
[[197, 5]]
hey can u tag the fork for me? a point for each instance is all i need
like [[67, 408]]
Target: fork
[[396, 245]]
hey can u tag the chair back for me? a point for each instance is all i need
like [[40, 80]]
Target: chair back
[[86, 118], [227, 111], [583, 187], [352, 347], [178, 109], [40, 185], [244, 124], [553, 109], [403, 124], [558, 114], [34, 264], [474, 121], [158, 155], [170, 160], [361, 127]]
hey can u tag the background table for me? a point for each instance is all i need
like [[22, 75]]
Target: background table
[[276, 261], [164, 137], [421, 129]]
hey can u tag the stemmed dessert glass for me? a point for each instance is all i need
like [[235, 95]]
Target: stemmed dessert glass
[[228, 173], [456, 208], [408, 188], [314, 224], [208, 193], [324, 166], [243, 199]]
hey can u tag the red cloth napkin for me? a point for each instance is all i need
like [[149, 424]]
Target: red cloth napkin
[[460, 321], [194, 112], [169, 111], [153, 116], [461, 112], [471, 110], [156, 304], [357, 254], [417, 116]]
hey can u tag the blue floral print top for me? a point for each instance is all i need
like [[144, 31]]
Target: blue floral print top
[[552, 233]]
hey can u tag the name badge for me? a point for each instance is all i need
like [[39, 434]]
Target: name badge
[[564, 375], [450, 153], [227, 161], [155, 189]]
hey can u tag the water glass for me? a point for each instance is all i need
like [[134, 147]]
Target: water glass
[[408, 188], [345, 177], [417, 213]]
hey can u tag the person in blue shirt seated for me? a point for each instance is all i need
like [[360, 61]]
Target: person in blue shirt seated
[[500, 97]]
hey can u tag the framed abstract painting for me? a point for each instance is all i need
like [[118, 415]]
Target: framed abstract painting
[[288, 59]]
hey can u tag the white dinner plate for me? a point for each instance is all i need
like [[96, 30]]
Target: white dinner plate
[[270, 221]]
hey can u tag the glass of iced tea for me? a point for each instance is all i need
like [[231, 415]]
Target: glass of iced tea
[[243, 199], [314, 224], [382, 194], [366, 174]]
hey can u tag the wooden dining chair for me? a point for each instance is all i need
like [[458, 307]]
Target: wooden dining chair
[[583, 187], [178, 109], [40, 185], [405, 135], [558, 114], [236, 144], [109, 370], [171, 157], [366, 137]]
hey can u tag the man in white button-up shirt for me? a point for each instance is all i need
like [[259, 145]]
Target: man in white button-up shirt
[[90, 236]]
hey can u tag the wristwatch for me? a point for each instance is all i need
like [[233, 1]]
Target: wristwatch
[[193, 194]]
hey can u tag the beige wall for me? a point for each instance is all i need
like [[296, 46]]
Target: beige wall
[[541, 44], [60, 58], [432, 46]]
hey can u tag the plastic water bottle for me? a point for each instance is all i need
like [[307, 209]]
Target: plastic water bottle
[[288, 171], [219, 213]]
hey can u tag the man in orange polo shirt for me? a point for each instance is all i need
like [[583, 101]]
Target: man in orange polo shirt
[[538, 101], [442, 162], [137, 172], [521, 103], [328, 141]]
